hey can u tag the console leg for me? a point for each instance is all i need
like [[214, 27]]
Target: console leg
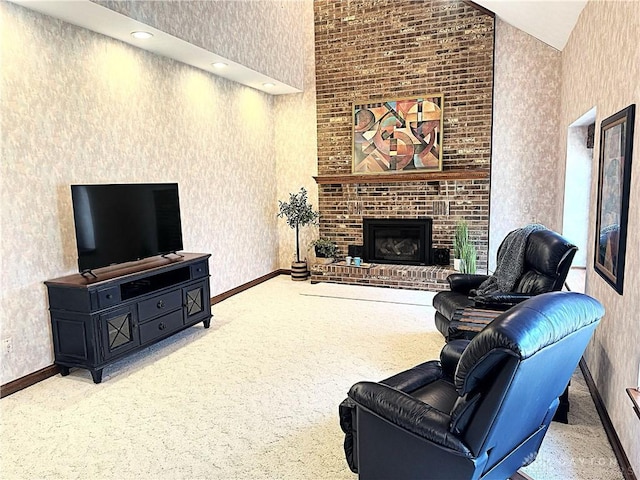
[[96, 375], [207, 322], [64, 371]]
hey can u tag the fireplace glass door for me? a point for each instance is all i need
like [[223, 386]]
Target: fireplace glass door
[[397, 241]]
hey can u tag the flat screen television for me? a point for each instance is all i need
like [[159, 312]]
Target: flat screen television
[[118, 223]]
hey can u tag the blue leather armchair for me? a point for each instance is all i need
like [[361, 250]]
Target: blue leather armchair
[[482, 411], [547, 261]]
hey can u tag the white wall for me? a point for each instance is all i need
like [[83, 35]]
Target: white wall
[[577, 192]]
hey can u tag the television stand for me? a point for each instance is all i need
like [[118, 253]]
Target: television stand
[[97, 321]]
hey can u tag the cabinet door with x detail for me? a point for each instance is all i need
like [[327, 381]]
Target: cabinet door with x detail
[[119, 331], [194, 298]]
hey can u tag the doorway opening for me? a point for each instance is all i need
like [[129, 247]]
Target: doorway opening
[[577, 194]]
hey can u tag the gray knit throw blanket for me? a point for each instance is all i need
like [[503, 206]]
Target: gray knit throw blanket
[[510, 262]]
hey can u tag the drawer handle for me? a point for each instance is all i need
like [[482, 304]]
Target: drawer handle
[[161, 304], [109, 296], [161, 326]]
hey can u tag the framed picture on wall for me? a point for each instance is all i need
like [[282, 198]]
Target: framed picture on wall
[[399, 135], [614, 182]]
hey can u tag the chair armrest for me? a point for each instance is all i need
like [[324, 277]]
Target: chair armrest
[[501, 300], [464, 282], [347, 411], [408, 413], [416, 377], [450, 356]]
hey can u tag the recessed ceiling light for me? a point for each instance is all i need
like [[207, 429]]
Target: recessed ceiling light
[[268, 85], [141, 35], [220, 64]]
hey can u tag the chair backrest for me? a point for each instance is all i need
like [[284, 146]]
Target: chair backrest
[[548, 257], [511, 374]]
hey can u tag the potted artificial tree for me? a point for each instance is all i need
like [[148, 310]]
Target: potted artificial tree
[[298, 213], [326, 250]]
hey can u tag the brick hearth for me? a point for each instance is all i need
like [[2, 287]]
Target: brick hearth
[[432, 278]]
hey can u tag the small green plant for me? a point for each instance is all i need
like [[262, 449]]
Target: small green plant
[[460, 239], [468, 257], [298, 213], [325, 248]]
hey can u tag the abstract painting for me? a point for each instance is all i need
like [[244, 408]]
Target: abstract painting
[[614, 184], [400, 135]]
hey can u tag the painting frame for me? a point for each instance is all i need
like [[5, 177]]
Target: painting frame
[[614, 185], [398, 135]]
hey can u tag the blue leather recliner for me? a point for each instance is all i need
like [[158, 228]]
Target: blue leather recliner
[[547, 261], [482, 411]]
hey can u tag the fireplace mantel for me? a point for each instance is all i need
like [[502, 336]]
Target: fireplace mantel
[[460, 174]]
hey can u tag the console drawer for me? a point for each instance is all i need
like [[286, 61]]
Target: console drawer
[[108, 297], [158, 305], [199, 270], [160, 326]]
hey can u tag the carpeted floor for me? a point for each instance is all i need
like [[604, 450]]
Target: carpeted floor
[[254, 397]]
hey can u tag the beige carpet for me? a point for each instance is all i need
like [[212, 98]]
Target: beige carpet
[[254, 397]]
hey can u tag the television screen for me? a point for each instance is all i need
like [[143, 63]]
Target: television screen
[[124, 222]]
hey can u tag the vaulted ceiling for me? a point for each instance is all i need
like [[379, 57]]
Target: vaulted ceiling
[[550, 21]]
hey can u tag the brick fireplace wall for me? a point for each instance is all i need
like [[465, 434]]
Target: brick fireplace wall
[[385, 49]]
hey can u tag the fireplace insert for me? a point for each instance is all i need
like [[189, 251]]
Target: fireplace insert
[[397, 241]]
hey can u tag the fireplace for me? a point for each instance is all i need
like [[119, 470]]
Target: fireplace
[[397, 241]]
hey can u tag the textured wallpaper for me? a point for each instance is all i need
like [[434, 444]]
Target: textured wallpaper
[[601, 67], [525, 125], [296, 142], [262, 35], [79, 107]]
